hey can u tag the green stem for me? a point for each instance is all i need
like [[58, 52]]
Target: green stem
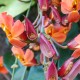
[[29, 8], [13, 70], [24, 74]]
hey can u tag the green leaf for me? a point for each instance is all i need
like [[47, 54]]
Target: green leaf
[[9, 60], [14, 7], [36, 73]]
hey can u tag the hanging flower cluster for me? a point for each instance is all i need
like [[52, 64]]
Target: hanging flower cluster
[[52, 25]]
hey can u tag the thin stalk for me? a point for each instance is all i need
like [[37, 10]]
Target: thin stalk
[[14, 70], [57, 53], [29, 8], [61, 46], [24, 74]]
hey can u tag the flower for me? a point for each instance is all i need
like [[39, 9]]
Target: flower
[[50, 71], [3, 70], [44, 4], [75, 43], [46, 47], [71, 8], [30, 31], [25, 57], [58, 32], [12, 29]]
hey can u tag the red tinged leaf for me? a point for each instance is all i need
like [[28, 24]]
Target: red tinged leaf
[[30, 31], [46, 47]]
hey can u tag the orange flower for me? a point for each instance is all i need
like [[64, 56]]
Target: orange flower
[[3, 70], [26, 58], [71, 7], [12, 29], [58, 32]]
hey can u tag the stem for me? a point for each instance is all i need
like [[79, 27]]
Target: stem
[[24, 74], [6, 76], [63, 47], [54, 48], [14, 70], [36, 19], [29, 8]]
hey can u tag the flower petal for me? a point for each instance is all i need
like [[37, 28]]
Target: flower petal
[[74, 71], [51, 73], [17, 29], [29, 55], [73, 16], [76, 53], [6, 20], [75, 43], [44, 4], [59, 37], [66, 67], [17, 51], [46, 47], [17, 43]]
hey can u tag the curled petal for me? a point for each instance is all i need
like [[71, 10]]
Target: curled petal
[[75, 43], [66, 67], [17, 29], [46, 47], [17, 43], [74, 71], [30, 31], [76, 53], [51, 73]]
